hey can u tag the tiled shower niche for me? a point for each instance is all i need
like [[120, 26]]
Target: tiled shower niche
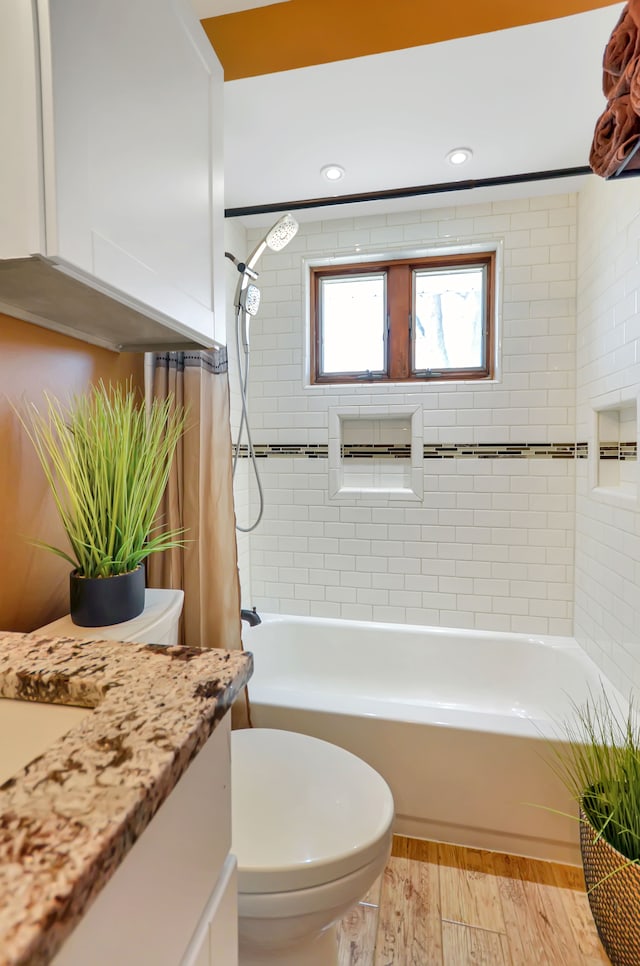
[[615, 454], [375, 453]]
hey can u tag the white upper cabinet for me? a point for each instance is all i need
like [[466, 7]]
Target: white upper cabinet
[[112, 116]]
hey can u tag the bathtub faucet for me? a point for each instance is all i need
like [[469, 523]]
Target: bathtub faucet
[[251, 617]]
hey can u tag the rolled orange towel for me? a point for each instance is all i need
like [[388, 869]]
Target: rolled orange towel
[[621, 48], [634, 9], [631, 78], [616, 136], [626, 81]]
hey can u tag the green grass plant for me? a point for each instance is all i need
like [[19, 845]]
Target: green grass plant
[[107, 462], [599, 762]]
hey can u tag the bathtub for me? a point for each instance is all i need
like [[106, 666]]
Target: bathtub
[[459, 723]]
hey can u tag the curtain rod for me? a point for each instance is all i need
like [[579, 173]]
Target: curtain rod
[[415, 191]]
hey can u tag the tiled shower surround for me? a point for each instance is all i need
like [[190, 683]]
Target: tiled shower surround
[[491, 543], [607, 581]]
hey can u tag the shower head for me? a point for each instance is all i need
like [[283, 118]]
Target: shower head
[[247, 303], [250, 299], [281, 233], [278, 236], [247, 298]]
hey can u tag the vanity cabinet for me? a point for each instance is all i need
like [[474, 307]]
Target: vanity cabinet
[[111, 181], [216, 941], [173, 899]]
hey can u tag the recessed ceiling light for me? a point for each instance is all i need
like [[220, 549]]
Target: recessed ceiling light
[[459, 155], [332, 172]]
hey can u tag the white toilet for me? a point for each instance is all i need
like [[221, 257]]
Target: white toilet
[[311, 822], [157, 624], [312, 832]]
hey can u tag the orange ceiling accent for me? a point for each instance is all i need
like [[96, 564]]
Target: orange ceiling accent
[[300, 33]]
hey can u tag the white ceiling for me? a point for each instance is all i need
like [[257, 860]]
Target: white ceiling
[[216, 8], [524, 99]]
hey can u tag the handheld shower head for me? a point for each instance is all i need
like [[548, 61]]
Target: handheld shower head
[[250, 299], [247, 298], [281, 233], [276, 238], [247, 302]]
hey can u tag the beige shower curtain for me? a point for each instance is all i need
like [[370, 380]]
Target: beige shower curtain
[[199, 497]]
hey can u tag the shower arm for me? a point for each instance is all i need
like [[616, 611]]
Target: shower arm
[[256, 254]]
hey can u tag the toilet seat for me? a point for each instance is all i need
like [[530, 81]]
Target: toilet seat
[[305, 812], [301, 902]]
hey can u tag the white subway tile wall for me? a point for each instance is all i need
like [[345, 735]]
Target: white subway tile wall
[[607, 601], [491, 545]]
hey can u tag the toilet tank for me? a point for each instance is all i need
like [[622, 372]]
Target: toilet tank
[[157, 624]]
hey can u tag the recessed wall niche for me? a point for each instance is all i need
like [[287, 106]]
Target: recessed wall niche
[[614, 458], [376, 453]]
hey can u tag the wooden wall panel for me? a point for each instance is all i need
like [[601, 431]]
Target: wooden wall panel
[[33, 582]]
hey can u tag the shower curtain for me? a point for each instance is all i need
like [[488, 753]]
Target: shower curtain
[[199, 498]]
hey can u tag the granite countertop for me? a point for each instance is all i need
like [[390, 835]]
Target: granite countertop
[[70, 816]]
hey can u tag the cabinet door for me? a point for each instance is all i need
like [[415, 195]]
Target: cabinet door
[[132, 122], [149, 910], [223, 930], [20, 183], [215, 941]]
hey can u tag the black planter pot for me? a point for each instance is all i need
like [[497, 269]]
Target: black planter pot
[[99, 601]]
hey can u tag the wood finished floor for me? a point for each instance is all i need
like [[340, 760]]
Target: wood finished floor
[[441, 905]]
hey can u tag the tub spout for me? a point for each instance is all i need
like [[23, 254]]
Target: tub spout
[[251, 617]]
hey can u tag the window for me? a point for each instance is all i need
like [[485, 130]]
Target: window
[[420, 319]]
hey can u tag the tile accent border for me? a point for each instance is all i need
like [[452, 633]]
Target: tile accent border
[[503, 451], [381, 451], [624, 451], [619, 451], [270, 450]]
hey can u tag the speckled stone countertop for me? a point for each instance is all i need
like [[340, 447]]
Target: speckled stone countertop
[[69, 817]]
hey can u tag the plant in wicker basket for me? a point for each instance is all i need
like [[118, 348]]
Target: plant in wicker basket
[[600, 765]]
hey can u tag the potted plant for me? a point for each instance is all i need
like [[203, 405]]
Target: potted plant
[[599, 763], [107, 460]]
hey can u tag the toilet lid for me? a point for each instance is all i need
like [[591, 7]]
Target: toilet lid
[[161, 607], [305, 812]]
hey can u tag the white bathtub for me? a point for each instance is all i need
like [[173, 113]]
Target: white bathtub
[[458, 722]]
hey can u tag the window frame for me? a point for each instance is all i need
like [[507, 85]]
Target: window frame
[[399, 331]]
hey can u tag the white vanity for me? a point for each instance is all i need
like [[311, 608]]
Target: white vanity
[[173, 899], [114, 842]]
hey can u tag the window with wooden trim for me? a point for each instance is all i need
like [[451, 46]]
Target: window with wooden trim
[[406, 319]]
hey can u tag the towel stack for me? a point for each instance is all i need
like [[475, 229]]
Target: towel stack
[[617, 135]]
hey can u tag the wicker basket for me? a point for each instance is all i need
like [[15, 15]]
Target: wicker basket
[[615, 904]]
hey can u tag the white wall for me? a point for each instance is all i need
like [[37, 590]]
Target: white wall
[[491, 545], [607, 599]]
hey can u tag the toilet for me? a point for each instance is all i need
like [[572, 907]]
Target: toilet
[[311, 823], [311, 829], [157, 624]]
